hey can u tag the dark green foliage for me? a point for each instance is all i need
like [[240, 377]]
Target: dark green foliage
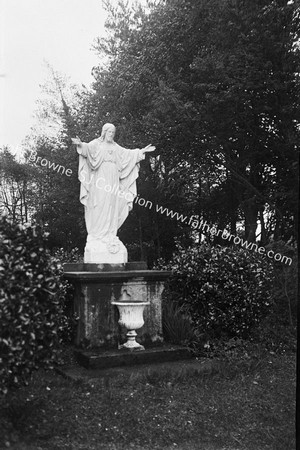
[[31, 303], [69, 319], [15, 187], [215, 86], [63, 256], [57, 206], [177, 326], [278, 331], [226, 290], [285, 288]]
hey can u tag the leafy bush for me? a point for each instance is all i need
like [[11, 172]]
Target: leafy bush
[[285, 288], [69, 319], [226, 290], [177, 327], [278, 331], [63, 256], [31, 303]]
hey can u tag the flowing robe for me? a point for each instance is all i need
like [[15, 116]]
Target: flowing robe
[[108, 174]]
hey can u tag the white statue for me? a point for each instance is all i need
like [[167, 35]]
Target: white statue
[[108, 174]]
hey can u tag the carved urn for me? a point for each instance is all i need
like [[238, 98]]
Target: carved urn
[[131, 316]]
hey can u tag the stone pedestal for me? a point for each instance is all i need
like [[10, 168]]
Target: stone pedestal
[[112, 252], [97, 286]]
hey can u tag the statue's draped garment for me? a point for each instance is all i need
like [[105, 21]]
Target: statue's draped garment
[[108, 176]]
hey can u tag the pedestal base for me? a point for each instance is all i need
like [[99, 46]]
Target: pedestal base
[[131, 343], [110, 252], [130, 346], [101, 359], [97, 291]]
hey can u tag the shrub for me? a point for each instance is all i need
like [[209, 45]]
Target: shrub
[[278, 331], [67, 256], [31, 303], [226, 290], [69, 318], [285, 288], [177, 327]]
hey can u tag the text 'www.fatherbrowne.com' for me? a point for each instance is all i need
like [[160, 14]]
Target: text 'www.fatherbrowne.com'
[[203, 226]]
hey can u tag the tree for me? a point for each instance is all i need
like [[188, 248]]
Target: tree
[[54, 164], [216, 84], [15, 187]]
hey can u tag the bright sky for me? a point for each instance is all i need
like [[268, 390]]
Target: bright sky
[[60, 32]]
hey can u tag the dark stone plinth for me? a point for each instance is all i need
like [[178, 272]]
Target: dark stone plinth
[[92, 267], [118, 276], [167, 371], [97, 287], [123, 357]]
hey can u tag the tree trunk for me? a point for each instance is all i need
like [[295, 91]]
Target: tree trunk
[[250, 209], [142, 250], [263, 236], [157, 239]]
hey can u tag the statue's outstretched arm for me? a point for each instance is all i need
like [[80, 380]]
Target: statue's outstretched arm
[[82, 147], [149, 148], [76, 141]]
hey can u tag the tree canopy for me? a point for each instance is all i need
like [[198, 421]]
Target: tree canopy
[[215, 86]]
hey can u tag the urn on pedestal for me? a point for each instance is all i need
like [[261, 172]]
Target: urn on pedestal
[[131, 316]]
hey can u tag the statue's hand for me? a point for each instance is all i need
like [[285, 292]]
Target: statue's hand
[[76, 141], [149, 148]]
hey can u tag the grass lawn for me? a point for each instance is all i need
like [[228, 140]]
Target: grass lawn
[[234, 407]]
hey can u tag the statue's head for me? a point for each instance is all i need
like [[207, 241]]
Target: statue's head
[[108, 132]]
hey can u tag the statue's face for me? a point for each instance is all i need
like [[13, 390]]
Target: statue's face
[[110, 134]]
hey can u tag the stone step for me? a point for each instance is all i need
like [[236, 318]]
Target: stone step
[[166, 371], [101, 359]]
